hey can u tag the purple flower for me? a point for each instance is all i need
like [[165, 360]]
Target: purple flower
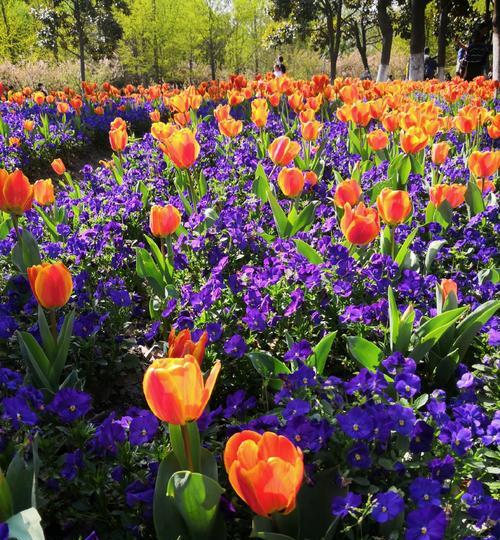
[[138, 492], [73, 462], [359, 456], [298, 351], [10, 379], [4, 531], [342, 506], [237, 404], [70, 404], [403, 419], [425, 491], [422, 436], [235, 346], [356, 423], [108, 435], [442, 469], [387, 506], [143, 428], [407, 384], [18, 412], [426, 523], [296, 406]]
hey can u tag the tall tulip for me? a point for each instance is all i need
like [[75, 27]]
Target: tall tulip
[[448, 286], [377, 139], [51, 284], [44, 192], [266, 471], [394, 206], [291, 181], [439, 152], [16, 192], [230, 127], [348, 191], [361, 225], [413, 140], [282, 150], [164, 220], [182, 148], [118, 139], [484, 164], [310, 130]]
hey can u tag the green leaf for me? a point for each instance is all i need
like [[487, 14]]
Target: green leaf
[[446, 368], [474, 198], [146, 268], [386, 241], [26, 253], [393, 318], [282, 223], [196, 498], [50, 223], [36, 359], [321, 352], [403, 250], [432, 251], [420, 401], [159, 258], [472, 324], [443, 214], [377, 188], [266, 365], [309, 252], [365, 352], [304, 219], [211, 216], [271, 536], [63, 343], [404, 170], [405, 331], [6, 508], [49, 344], [21, 477], [26, 525], [260, 184], [168, 523], [202, 184]]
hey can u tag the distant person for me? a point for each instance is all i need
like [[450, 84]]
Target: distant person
[[277, 71], [461, 49], [281, 65], [41, 88], [430, 64], [476, 58]]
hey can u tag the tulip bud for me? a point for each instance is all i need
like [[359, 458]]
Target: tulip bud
[[361, 225], [282, 150], [291, 181], [51, 284], [16, 192], [44, 192], [311, 178], [348, 191], [377, 140], [164, 220], [394, 206], [58, 166], [439, 152]]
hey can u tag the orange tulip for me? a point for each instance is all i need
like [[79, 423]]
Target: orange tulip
[[349, 94], [181, 344], [394, 206], [311, 178], [51, 284], [348, 191], [453, 193], [310, 130], [154, 116], [260, 111], [439, 152], [38, 97], [361, 225], [118, 139], [161, 131], [16, 192], [58, 166], [266, 471], [230, 128], [62, 107], [28, 125], [447, 286], [486, 186], [175, 390], [14, 141], [282, 150], [222, 112], [182, 148], [164, 220], [179, 103], [377, 139], [291, 181], [413, 140], [484, 164], [307, 115], [390, 121], [360, 113], [44, 192]]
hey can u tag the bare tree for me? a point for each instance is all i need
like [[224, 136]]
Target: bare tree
[[385, 23], [417, 40]]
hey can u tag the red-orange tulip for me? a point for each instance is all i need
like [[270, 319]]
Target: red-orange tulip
[[181, 344], [44, 192], [310, 130], [361, 225], [28, 125], [222, 112], [439, 152], [164, 220], [182, 148], [16, 192], [377, 139], [447, 286], [413, 140], [348, 191], [486, 186], [62, 107], [175, 390], [453, 193], [311, 178], [266, 471], [51, 284], [118, 139], [58, 166], [291, 181], [282, 150], [230, 127], [484, 164], [360, 113], [394, 206]]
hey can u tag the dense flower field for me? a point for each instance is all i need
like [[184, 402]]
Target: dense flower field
[[270, 312]]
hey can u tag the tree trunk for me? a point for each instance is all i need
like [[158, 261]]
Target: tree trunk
[[81, 37], [385, 23], [496, 40], [338, 36], [442, 40], [417, 41], [360, 39], [331, 45]]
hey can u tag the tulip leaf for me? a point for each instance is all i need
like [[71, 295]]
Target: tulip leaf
[[365, 352], [63, 342], [49, 344], [6, 509], [304, 219], [211, 216], [444, 214], [38, 363], [446, 368], [160, 259], [25, 525], [26, 253], [404, 170], [377, 188], [474, 199], [196, 498], [51, 225], [266, 365], [321, 352], [147, 269], [309, 252], [393, 318], [282, 223], [432, 251], [260, 183], [21, 476], [403, 250]]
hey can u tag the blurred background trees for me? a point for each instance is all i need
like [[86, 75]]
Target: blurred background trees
[[190, 40]]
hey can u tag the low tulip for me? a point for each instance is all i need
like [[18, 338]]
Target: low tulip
[[282, 150], [453, 193], [348, 191], [230, 128], [44, 192], [311, 178], [222, 112], [266, 471], [291, 181], [58, 166], [51, 284], [439, 152], [182, 148], [361, 225], [394, 206], [484, 164], [28, 125], [486, 186], [175, 390], [181, 344], [260, 112], [377, 140], [448, 286], [310, 130], [16, 192], [413, 140], [118, 139], [164, 220], [62, 107]]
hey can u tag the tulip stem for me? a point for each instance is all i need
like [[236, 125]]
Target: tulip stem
[[391, 236], [191, 190], [187, 447], [53, 324], [15, 222], [170, 251]]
